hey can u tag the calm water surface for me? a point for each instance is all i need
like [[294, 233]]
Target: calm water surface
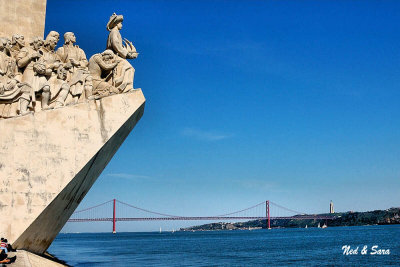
[[309, 247]]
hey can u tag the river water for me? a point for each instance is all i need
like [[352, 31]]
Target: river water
[[275, 247]]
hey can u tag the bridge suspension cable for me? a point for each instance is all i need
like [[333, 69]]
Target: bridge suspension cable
[[149, 211], [287, 209], [227, 214], [79, 211]]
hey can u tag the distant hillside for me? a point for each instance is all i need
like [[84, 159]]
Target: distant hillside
[[389, 216]]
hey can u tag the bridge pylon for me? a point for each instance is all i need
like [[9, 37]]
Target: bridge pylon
[[267, 214], [114, 218]]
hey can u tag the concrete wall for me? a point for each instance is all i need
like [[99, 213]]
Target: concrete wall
[[26, 17], [50, 159]]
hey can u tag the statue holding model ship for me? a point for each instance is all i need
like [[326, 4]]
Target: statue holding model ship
[[123, 50]]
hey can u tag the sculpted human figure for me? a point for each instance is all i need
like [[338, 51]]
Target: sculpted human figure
[[17, 43], [54, 34], [8, 46], [52, 64], [124, 72], [11, 87], [102, 68], [75, 59], [7, 63], [61, 87], [29, 60]]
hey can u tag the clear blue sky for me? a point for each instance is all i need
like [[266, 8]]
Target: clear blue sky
[[293, 101]]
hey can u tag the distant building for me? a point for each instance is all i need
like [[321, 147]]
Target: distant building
[[331, 208]]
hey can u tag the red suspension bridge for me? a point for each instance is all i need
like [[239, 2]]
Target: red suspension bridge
[[118, 211]]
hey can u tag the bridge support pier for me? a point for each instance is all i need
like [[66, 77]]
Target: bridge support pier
[[114, 217]]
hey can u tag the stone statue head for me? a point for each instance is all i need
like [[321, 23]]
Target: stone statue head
[[115, 20], [50, 42], [18, 39], [8, 43], [39, 67], [54, 34], [61, 73], [3, 43], [107, 55], [69, 37], [37, 43]]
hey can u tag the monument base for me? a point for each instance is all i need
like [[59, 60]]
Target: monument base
[[50, 159]]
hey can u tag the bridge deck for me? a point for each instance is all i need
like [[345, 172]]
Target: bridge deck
[[305, 217]]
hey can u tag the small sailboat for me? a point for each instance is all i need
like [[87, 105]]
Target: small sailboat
[[173, 230], [306, 226], [160, 230], [319, 225], [324, 226]]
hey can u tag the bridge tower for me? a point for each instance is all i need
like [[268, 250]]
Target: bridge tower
[[267, 213], [114, 217]]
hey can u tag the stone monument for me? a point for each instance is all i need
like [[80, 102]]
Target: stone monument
[[62, 118], [25, 17]]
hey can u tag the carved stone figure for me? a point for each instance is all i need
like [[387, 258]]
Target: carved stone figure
[[29, 60], [102, 68], [61, 87], [37, 71], [52, 64], [8, 45], [17, 42], [124, 50], [11, 88], [54, 34], [74, 57], [8, 66]]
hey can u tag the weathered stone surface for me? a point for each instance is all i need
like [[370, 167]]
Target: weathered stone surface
[[50, 159], [27, 259], [26, 17]]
